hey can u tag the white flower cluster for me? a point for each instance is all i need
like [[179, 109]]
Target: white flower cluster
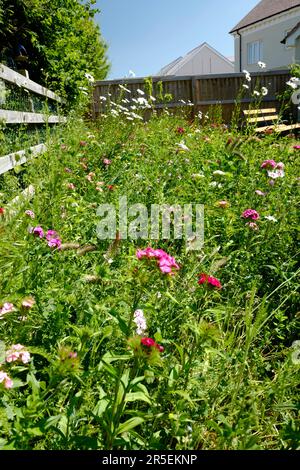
[[140, 321]]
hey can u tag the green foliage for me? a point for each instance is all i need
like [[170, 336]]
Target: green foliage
[[61, 38]]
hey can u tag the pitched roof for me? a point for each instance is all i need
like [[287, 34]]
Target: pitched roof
[[172, 68], [266, 9], [295, 28], [169, 66]]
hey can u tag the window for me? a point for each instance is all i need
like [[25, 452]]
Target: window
[[255, 52]]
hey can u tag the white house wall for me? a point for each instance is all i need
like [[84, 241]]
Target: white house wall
[[271, 33]]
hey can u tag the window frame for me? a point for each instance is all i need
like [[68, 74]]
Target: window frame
[[254, 55]]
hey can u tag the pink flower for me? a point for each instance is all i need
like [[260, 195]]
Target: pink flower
[[253, 226], [260, 193], [205, 279], [5, 379], [280, 166], [51, 234], [7, 307], [106, 161], [38, 232], [296, 147], [17, 352], [268, 164], [52, 238], [54, 242], [250, 214], [1, 210], [30, 214], [164, 260], [71, 186], [180, 130], [271, 182]]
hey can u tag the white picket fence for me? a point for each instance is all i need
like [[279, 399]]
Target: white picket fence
[[7, 162]]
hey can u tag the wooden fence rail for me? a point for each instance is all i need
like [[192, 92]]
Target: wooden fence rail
[[203, 91], [13, 117]]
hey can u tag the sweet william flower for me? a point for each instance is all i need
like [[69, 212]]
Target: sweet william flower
[[210, 280], [250, 214], [269, 164], [38, 232], [150, 343]]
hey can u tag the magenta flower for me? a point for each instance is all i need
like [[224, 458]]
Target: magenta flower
[[205, 279], [150, 343], [296, 147], [52, 239], [5, 379], [38, 232], [164, 260], [250, 214], [268, 164]]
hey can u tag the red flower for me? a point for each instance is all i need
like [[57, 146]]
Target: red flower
[[111, 187], [1, 211], [180, 130], [205, 279], [149, 342]]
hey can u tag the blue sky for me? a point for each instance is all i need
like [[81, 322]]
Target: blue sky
[[145, 35]]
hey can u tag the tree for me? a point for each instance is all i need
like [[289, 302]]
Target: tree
[[60, 38]]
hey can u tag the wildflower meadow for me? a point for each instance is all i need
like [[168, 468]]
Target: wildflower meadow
[[146, 342]]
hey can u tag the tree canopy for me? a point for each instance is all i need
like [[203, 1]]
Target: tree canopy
[[60, 38]]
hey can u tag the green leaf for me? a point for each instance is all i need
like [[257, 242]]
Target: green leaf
[[129, 424], [137, 396]]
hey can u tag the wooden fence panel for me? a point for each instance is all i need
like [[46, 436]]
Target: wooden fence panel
[[203, 91]]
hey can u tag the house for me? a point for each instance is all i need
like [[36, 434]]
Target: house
[[269, 33], [202, 60]]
